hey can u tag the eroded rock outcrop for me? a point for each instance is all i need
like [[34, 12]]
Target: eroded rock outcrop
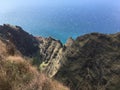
[[51, 53]]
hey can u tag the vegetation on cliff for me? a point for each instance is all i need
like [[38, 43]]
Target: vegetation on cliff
[[90, 62], [16, 70]]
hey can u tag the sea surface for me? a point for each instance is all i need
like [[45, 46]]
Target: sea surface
[[64, 22]]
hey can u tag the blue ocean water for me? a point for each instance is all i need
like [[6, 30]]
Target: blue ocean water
[[64, 22]]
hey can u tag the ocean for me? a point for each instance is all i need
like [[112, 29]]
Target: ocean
[[64, 22]]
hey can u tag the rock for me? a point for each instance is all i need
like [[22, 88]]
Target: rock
[[50, 52], [69, 42]]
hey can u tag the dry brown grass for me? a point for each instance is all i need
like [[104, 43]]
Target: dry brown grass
[[18, 74], [16, 59], [7, 48], [2, 48]]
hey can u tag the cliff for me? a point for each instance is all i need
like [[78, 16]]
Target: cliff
[[16, 70], [90, 62]]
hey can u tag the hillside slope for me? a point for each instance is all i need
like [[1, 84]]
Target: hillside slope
[[24, 42], [91, 62], [16, 71]]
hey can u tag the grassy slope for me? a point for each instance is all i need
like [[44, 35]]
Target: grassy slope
[[16, 73]]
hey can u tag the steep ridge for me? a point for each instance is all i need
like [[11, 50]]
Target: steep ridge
[[24, 42], [92, 62]]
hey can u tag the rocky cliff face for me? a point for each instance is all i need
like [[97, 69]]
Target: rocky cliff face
[[50, 52], [91, 62]]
